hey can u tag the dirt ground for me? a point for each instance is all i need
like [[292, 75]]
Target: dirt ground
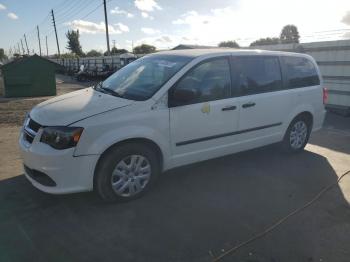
[[195, 213]]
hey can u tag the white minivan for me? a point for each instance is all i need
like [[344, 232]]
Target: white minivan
[[166, 110]]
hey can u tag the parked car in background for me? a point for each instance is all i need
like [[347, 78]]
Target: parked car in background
[[167, 110]]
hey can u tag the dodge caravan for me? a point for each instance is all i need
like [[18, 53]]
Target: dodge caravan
[[166, 110]]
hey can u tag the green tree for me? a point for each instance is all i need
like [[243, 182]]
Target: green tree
[[289, 34], [2, 54], [93, 53], [67, 55], [116, 51], [266, 41], [73, 43], [232, 44], [144, 49]]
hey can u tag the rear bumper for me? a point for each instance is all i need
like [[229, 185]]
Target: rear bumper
[[70, 174], [339, 109], [318, 120]]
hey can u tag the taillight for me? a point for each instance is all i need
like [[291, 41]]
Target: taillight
[[325, 95]]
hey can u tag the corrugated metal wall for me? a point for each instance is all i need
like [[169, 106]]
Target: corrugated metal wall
[[333, 58]]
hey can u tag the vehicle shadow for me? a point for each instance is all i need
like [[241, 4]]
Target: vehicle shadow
[[192, 214], [328, 136]]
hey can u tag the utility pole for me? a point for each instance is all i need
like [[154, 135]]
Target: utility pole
[[106, 23], [47, 49], [23, 52], [113, 43], [25, 39], [37, 28], [54, 25]]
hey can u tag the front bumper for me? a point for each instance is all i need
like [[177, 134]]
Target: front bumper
[[70, 174]]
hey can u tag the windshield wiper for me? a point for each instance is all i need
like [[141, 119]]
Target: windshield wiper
[[97, 87], [105, 90], [111, 92]]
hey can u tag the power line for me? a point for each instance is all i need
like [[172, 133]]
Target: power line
[[91, 11], [64, 8], [61, 5], [75, 10], [60, 27]]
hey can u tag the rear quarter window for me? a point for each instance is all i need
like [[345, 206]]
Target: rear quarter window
[[300, 72]]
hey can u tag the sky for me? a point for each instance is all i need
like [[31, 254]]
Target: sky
[[167, 23]]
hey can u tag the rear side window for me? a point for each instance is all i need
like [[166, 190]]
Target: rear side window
[[300, 71], [256, 74]]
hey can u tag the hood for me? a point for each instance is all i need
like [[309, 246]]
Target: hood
[[74, 106]]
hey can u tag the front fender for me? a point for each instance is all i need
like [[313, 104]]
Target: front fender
[[100, 132], [103, 142]]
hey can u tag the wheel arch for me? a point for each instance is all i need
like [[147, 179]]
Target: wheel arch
[[307, 115], [301, 110], [138, 140]]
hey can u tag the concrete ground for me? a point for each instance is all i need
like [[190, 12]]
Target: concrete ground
[[194, 213]]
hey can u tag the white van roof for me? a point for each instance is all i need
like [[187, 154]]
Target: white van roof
[[213, 51]]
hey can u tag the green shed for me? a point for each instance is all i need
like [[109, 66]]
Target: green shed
[[29, 76]]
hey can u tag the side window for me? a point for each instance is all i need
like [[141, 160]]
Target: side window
[[300, 72], [257, 74], [211, 80]]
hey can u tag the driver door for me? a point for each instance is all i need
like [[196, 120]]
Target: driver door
[[203, 127]]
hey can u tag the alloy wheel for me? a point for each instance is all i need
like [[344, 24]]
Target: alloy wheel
[[131, 175]]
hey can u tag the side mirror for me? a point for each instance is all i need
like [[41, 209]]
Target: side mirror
[[182, 96]]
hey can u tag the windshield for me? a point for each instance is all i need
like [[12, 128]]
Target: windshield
[[143, 77]]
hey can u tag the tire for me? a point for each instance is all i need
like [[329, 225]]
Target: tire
[[297, 135], [126, 172]]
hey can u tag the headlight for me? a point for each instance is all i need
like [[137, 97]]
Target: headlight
[[61, 137]]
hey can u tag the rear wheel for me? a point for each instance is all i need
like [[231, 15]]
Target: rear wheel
[[126, 172], [297, 135]]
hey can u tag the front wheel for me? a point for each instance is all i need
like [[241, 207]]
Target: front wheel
[[126, 172], [297, 135]]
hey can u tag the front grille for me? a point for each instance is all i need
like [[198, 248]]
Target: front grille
[[31, 128], [39, 177], [34, 125]]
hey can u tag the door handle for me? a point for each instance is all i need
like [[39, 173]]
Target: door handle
[[250, 104], [227, 108]]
